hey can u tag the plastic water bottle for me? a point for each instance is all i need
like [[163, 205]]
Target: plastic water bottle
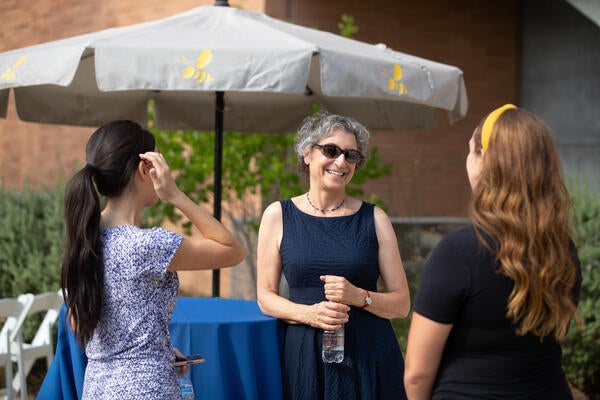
[[333, 346], [186, 387]]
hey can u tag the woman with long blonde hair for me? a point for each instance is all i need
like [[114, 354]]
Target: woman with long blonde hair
[[496, 298]]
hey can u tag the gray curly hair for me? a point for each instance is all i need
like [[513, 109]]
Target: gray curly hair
[[321, 125]]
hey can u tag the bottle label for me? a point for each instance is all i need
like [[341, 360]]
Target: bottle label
[[333, 346]]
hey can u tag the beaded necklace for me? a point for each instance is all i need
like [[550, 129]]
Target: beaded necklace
[[324, 211]]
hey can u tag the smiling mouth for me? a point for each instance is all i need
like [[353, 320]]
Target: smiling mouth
[[336, 173]]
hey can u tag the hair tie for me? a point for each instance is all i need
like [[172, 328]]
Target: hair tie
[[490, 121], [91, 168]]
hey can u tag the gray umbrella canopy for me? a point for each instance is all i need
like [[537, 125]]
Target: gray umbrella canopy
[[225, 68], [271, 72]]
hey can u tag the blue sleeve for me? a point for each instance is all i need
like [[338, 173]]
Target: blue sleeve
[[159, 248]]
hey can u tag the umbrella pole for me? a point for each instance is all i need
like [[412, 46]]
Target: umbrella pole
[[216, 275], [220, 106]]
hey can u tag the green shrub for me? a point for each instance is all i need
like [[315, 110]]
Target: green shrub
[[402, 325], [31, 250], [31, 237], [581, 347], [416, 242]]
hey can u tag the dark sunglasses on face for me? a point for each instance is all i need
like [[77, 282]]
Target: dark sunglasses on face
[[333, 151]]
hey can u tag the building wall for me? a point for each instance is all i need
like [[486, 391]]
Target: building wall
[[561, 58], [39, 154], [481, 38], [428, 178]]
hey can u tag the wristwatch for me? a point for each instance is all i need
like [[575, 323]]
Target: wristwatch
[[368, 299]]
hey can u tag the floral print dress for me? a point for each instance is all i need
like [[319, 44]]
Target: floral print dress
[[130, 354]]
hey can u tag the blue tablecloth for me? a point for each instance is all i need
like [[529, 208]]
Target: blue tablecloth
[[241, 347]]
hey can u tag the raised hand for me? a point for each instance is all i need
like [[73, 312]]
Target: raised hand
[[160, 173]]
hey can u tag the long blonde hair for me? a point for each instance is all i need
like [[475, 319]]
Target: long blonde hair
[[522, 203]]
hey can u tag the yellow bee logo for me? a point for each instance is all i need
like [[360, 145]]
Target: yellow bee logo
[[394, 83], [198, 72], [11, 73]]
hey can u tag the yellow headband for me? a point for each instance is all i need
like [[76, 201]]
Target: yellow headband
[[488, 124]]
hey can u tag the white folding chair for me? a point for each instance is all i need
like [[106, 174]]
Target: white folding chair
[[42, 345], [14, 312], [6, 361]]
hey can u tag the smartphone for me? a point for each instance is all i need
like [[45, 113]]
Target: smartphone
[[191, 359]]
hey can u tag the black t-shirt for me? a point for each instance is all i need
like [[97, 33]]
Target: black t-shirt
[[484, 358]]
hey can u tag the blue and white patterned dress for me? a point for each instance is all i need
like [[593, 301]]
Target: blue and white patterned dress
[[130, 354]]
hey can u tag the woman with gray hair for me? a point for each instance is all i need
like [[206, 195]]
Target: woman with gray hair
[[332, 249]]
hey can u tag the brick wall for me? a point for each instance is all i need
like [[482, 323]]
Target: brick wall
[[481, 38], [428, 179], [39, 154]]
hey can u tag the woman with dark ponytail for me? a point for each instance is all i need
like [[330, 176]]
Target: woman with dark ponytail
[[119, 280]]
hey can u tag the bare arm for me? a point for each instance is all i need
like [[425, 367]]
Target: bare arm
[[393, 303], [217, 247], [324, 315], [426, 341]]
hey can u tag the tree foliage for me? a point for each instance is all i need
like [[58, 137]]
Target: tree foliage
[[258, 168], [347, 27], [261, 166]]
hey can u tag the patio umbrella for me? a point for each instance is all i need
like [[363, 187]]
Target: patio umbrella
[[222, 67]]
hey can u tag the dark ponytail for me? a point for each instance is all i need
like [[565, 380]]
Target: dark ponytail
[[82, 271], [112, 155]]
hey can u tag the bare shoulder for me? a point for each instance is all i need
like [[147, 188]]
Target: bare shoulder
[[383, 225], [272, 213], [380, 215], [271, 225], [353, 203], [274, 207]]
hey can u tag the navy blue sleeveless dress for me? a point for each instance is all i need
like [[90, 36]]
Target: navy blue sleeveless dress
[[347, 246]]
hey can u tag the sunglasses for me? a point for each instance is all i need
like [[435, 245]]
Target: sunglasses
[[333, 151]]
